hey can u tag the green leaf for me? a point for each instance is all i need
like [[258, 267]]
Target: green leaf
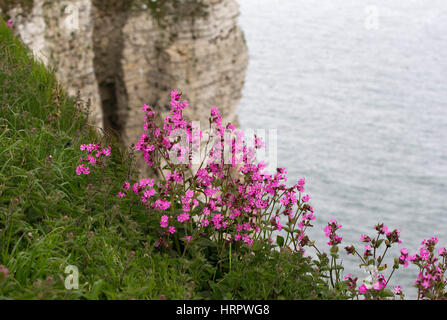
[[96, 289], [387, 293], [383, 267], [334, 249], [335, 255], [379, 243], [205, 242], [280, 240]]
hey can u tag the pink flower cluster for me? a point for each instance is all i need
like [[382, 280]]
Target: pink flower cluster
[[241, 202], [161, 143], [374, 286], [431, 278], [404, 257], [213, 198], [95, 153], [397, 290], [330, 230], [378, 285], [351, 282], [392, 236]]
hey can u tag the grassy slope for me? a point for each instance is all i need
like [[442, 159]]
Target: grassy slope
[[51, 218]]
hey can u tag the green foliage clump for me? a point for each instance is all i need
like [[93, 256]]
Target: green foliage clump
[[49, 217]]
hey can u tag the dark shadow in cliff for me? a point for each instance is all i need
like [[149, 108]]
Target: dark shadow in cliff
[[109, 18]]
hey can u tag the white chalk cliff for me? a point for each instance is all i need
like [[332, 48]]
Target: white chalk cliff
[[121, 56]]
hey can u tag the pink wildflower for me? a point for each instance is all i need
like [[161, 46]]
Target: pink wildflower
[[365, 238], [161, 204], [205, 222], [82, 170], [183, 217], [363, 289], [164, 221], [330, 230], [306, 198], [397, 290], [171, 229], [217, 221]]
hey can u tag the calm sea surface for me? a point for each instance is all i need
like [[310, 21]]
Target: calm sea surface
[[358, 93]]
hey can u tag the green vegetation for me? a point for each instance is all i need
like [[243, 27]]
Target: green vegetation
[[51, 218]]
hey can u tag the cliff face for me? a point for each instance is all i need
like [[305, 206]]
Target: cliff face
[[62, 43], [121, 57]]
